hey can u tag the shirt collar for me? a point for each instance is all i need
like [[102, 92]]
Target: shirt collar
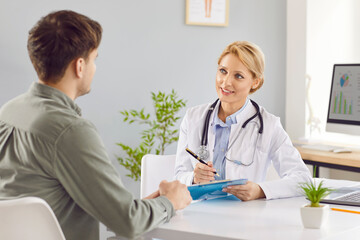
[[230, 119], [46, 91]]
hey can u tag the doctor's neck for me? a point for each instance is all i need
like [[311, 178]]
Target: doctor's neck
[[227, 109]]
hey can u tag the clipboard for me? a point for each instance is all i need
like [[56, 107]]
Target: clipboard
[[204, 191]]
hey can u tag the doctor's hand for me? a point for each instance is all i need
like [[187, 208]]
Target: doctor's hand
[[203, 173], [246, 192], [176, 192]]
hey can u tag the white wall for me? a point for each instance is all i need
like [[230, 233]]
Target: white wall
[[326, 32], [147, 47], [332, 38], [295, 68]]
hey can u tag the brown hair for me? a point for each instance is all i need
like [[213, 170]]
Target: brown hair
[[59, 38], [251, 56]]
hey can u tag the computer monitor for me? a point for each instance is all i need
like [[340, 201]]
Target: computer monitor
[[344, 103]]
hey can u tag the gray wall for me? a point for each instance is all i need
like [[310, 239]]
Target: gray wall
[[147, 47]]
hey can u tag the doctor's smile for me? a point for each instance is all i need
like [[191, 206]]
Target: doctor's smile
[[238, 137], [226, 92]]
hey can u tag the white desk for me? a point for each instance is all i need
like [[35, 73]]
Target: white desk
[[259, 219]]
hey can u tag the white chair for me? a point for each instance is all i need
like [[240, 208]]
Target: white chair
[[154, 169], [28, 218], [272, 174]]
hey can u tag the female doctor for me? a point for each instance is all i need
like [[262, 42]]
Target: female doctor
[[237, 137]]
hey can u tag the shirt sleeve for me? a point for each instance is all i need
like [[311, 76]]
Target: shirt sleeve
[[86, 173], [289, 165], [184, 171]]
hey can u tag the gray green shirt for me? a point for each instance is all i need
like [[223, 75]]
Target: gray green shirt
[[47, 150]]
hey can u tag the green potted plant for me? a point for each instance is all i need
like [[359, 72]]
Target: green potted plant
[[160, 130], [314, 215]]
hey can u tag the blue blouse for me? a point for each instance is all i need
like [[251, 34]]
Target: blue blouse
[[222, 134]]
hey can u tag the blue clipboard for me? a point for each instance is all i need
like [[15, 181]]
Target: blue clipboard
[[212, 189]]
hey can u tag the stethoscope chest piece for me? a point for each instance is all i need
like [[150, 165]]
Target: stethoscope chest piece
[[203, 153]]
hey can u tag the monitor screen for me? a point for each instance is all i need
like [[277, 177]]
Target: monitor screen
[[344, 104]]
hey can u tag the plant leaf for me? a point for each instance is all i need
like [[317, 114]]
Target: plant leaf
[[161, 131]]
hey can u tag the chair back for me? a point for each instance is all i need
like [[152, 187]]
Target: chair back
[[272, 173], [28, 218], [154, 169]]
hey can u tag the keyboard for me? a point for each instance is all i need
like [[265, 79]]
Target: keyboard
[[320, 147], [350, 197], [344, 196]]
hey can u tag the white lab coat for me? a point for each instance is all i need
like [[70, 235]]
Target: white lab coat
[[273, 145]]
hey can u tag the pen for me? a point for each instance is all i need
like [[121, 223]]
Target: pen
[[198, 158], [345, 210]]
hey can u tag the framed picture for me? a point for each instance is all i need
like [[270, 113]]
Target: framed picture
[[207, 12]]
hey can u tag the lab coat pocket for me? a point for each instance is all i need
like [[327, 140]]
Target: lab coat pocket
[[242, 156], [244, 144], [255, 170]]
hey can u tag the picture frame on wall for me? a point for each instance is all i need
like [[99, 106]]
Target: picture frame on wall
[[207, 12]]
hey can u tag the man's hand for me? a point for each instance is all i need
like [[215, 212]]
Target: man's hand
[[204, 173], [176, 192], [246, 192], [153, 195]]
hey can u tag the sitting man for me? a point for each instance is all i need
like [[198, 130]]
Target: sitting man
[[48, 150]]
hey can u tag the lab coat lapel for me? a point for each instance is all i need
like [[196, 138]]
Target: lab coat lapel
[[248, 111], [211, 133]]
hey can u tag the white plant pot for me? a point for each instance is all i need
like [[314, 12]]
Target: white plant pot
[[314, 217]]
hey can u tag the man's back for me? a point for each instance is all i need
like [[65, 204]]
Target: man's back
[[48, 150], [30, 125]]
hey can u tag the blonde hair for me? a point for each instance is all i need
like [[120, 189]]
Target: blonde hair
[[251, 56]]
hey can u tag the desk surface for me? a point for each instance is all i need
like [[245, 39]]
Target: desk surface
[[345, 159], [259, 219]]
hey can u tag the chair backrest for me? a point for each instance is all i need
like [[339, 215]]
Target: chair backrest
[[272, 174], [28, 218], [154, 169]]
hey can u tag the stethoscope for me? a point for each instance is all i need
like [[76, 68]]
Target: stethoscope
[[203, 152]]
